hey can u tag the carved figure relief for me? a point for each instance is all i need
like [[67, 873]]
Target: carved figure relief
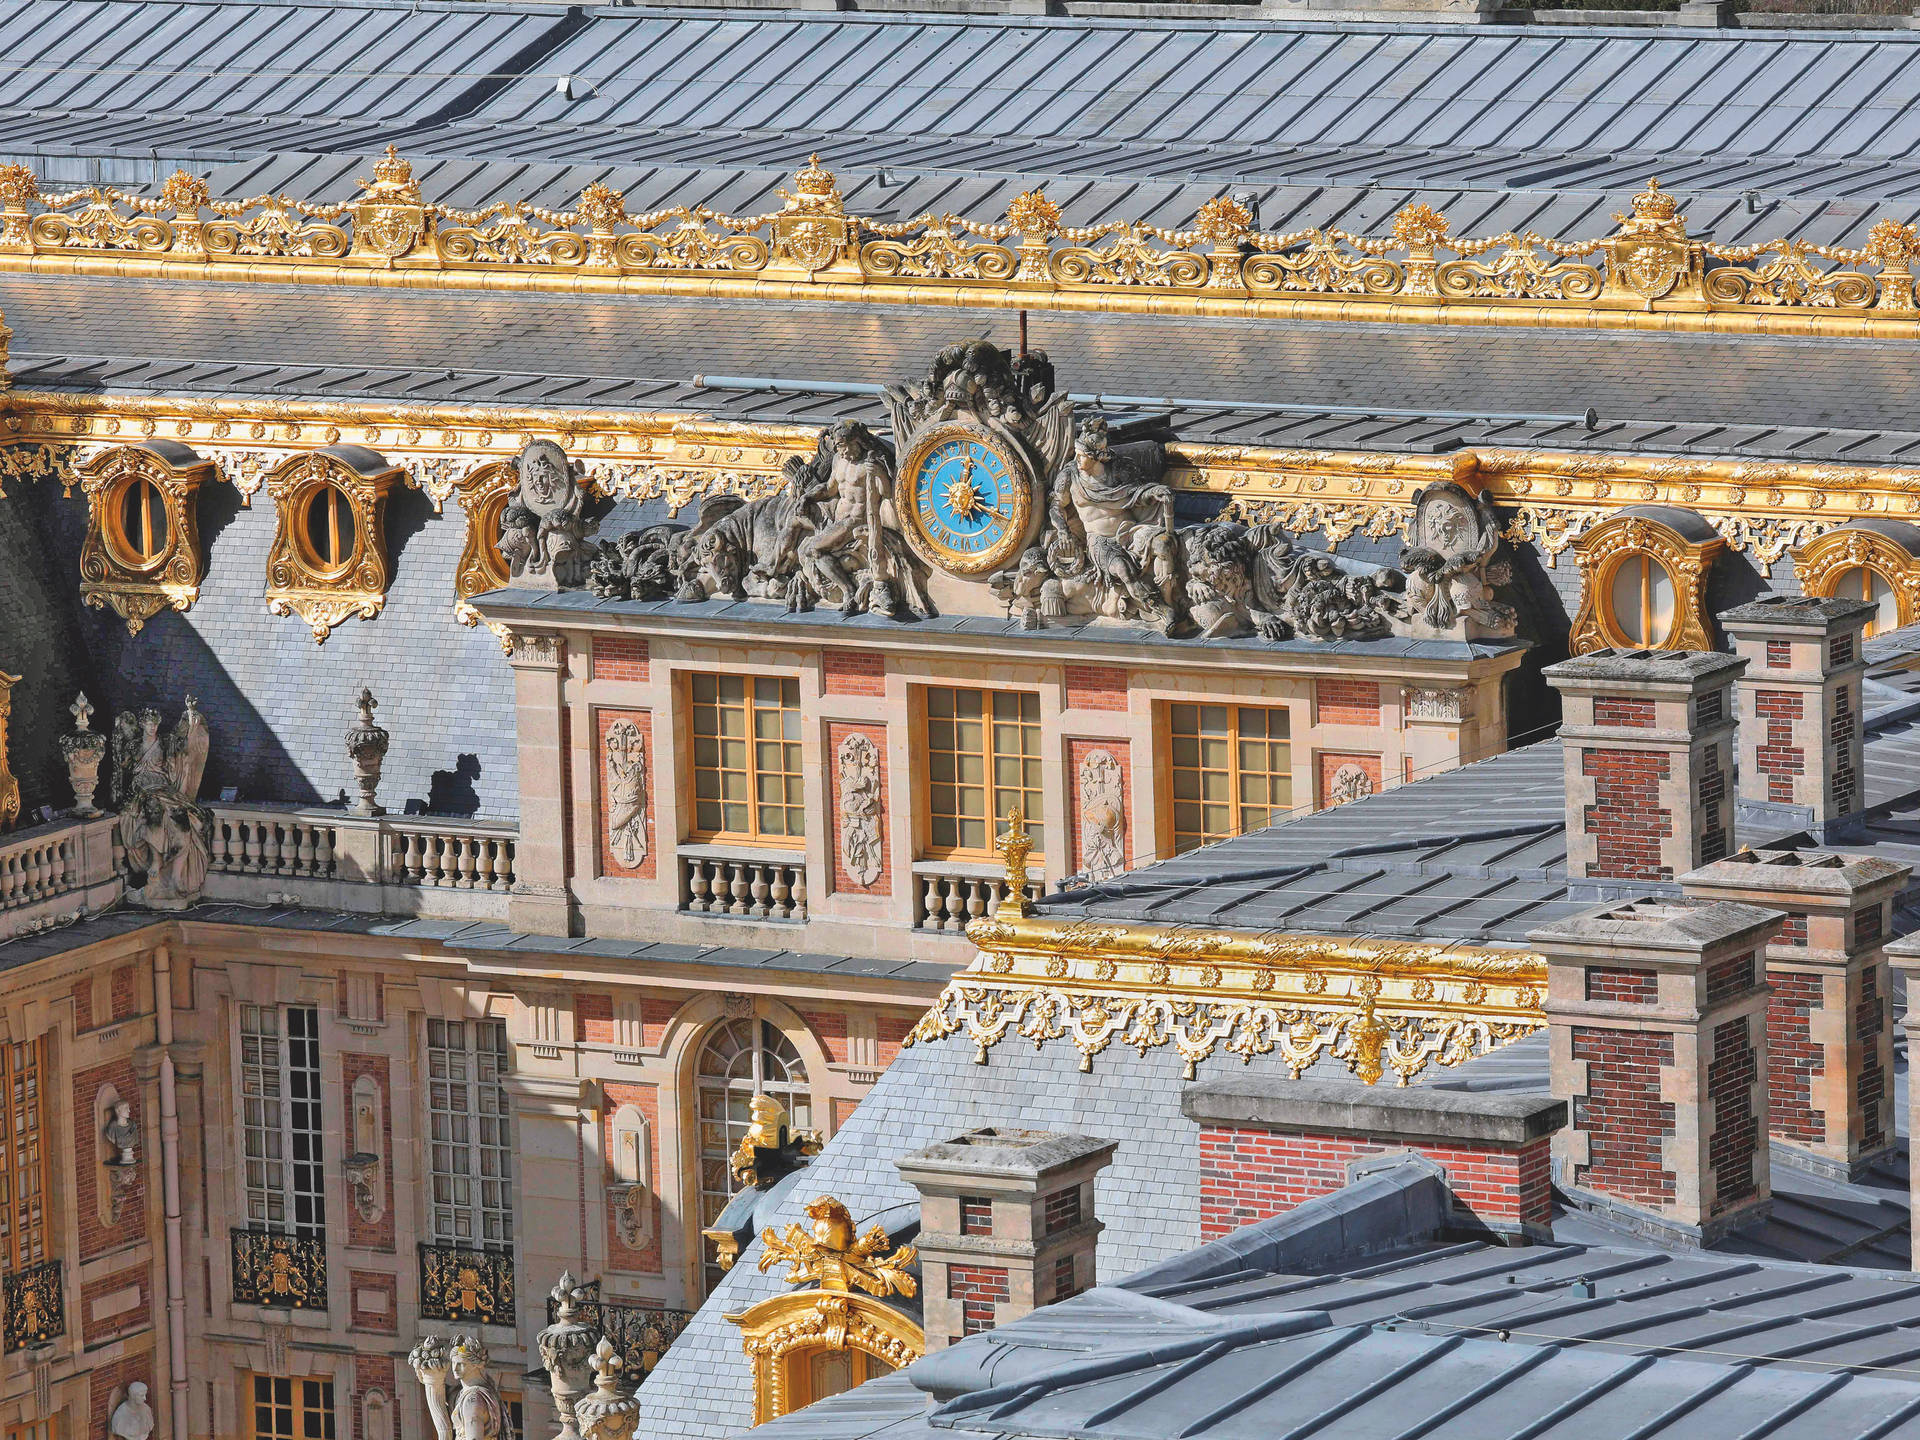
[[474, 1411], [1349, 782], [167, 837], [543, 527], [858, 768], [1103, 816], [1451, 573], [626, 761]]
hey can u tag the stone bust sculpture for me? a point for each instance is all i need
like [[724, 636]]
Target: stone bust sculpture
[[132, 1418]]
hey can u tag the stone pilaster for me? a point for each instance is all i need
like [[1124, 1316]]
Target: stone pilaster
[[1801, 717], [1903, 957], [1829, 1026], [1007, 1224], [1648, 737], [542, 901], [1657, 1020]]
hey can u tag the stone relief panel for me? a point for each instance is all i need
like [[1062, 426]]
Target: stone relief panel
[[1102, 807], [857, 777], [624, 765]]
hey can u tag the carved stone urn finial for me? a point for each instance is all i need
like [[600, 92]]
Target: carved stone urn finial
[[1014, 847], [367, 747], [610, 1412], [83, 750], [566, 1349]]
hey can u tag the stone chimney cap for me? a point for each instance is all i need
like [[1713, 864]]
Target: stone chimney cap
[[998, 1150], [1810, 871], [1640, 666], [1659, 924], [1812, 611]]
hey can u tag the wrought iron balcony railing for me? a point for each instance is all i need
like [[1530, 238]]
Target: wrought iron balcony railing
[[471, 1285], [287, 1272], [35, 1305], [640, 1333]]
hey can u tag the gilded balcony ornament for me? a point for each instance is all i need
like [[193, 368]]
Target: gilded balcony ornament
[[1788, 279], [1224, 223], [1520, 271], [828, 1254], [812, 230], [603, 208], [1036, 220], [1892, 245], [1319, 262], [503, 234], [19, 187], [389, 220], [1649, 256], [282, 229], [279, 1271], [1419, 228], [461, 1284], [1125, 255], [938, 253], [102, 219], [34, 1304]]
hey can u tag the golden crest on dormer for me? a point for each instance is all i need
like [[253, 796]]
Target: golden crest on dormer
[[1650, 255], [829, 1254], [388, 218]]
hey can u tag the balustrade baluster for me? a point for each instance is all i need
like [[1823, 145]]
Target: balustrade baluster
[[250, 862], [698, 887], [758, 888], [303, 859], [798, 888], [742, 889], [323, 850]]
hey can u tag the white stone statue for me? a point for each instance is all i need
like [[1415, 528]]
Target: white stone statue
[[858, 763], [165, 834], [627, 793], [132, 1418], [475, 1411]]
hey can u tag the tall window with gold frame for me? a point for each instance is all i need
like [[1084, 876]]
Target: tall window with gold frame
[[1229, 770], [23, 1159], [746, 759], [983, 759]]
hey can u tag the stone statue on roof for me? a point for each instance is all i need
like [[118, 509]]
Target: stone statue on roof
[[166, 836], [543, 529]]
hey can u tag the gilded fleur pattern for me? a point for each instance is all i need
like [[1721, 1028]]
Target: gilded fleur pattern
[[282, 1271], [458, 1284], [35, 1305]]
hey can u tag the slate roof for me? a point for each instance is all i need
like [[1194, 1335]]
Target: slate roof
[[1358, 1315], [1547, 127]]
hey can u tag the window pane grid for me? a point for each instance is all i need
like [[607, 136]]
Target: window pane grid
[[1230, 770], [746, 758], [280, 1123], [470, 1179], [23, 1176], [741, 1059], [292, 1409], [983, 759]]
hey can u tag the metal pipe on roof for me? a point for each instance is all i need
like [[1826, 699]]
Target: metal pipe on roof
[[1590, 418]]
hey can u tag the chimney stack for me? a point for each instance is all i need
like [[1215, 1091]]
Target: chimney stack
[[1657, 1028], [1007, 1224], [1648, 737], [1802, 719], [1829, 1035]]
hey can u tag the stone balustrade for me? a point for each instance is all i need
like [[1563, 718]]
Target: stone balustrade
[[51, 872], [743, 884], [950, 894]]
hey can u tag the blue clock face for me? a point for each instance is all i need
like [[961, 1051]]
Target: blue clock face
[[965, 500]]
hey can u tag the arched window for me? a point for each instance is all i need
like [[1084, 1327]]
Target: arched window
[[1870, 583], [139, 531], [1641, 600], [741, 1059]]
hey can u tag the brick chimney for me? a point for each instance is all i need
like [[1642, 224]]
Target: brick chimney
[[1657, 1027], [1801, 715], [1829, 1034], [1648, 736], [1007, 1224]]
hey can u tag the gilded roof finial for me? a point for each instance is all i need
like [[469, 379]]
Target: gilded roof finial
[[1653, 209], [814, 188], [1014, 847], [827, 1253]]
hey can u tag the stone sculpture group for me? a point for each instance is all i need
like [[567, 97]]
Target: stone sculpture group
[[1108, 544]]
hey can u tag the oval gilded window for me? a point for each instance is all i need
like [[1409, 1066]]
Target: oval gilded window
[[1640, 600], [1870, 583], [327, 530], [137, 523]]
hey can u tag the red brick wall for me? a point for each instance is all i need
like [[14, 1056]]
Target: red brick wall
[[1713, 807], [1624, 1118], [1347, 702], [1872, 1086], [979, 1288], [128, 1321], [125, 993], [853, 672], [892, 1031], [1843, 746], [1248, 1174], [645, 1099], [1729, 977], [83, 1003], [377, 1234], [1793, 1060], [380, 1322], [370, 1372], [830, 1029], [1622, 710], [1780, 760], [1840, 651], [593, 1015], [609, 860], [107, 1386], [1330, 766], [1622, 983], [97, 1237], [1779, 655], [1793, 931], [655, 1015], [1736, 1134], [843, 881], [1625, 819], [619, 657], [1096, 687], [1077, 752]]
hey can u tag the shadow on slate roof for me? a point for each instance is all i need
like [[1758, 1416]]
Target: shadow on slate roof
[[1360, 1315]]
